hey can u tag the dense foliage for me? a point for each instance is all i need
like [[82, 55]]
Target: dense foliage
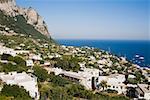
[[58, 81], [68, 63], [16, 92], [40, 73], [14, 64], [3, 97]]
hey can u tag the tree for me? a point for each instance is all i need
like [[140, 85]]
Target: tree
[[16, 92], [68, 63], [18, 60], [103, 84], [16, 64], [58, 81], [138, 75], [131, 92], [5, 56], [40, 73], [3, 97], [111, 91]]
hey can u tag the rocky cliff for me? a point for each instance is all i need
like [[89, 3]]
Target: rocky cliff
[[10, 8]]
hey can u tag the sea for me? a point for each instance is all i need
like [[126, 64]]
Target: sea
[[136, 51]]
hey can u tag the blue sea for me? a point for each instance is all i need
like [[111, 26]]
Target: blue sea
[[133, 50]]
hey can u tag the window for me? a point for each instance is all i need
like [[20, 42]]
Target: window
[[121, 87]]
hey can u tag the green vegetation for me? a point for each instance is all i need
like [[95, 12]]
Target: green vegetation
[[26, 43], [14, 64], [3, 97], [68, 63], [58, 81], [18, 60], [129, 64], [9, 67], [51, 87], [5, 56], [15, 41], [15, 92], [20, 25], [59, 88], [103, 84], [114, 60], [111, 91], [138, 75], [132, 81], [40, 73]]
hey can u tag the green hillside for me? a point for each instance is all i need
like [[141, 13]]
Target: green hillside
[[20, 26]]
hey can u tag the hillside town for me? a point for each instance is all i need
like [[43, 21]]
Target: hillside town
[[33, 66], [96, 70]]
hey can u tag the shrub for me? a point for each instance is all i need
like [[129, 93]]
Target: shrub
[[40, 73], [5, 56], [16, 92]]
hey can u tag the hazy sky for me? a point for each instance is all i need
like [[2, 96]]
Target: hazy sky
[[94, 19]]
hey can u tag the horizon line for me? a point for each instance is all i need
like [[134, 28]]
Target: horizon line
[[101, 39]]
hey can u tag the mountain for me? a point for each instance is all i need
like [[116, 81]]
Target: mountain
[[15, 19]]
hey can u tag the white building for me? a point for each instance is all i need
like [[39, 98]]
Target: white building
[[143, 91], [29, 82], [56, 55], [123, 60], [88, 74], [114, 82], [5, 50], [35, 57], [82, 65], [102, 62], [12, 52], [131, 76], [57, 71], [29, 63], [46, 63], [84, 77], [92, 58], [22, 52]]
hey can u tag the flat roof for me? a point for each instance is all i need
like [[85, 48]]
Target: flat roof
[[19, 77], [72, 74], [144, 87]]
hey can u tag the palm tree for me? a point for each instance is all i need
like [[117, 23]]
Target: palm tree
[[103, 84]]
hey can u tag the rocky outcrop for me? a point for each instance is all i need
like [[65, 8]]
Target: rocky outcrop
[[33, 18], [9, 6], [36, 20]]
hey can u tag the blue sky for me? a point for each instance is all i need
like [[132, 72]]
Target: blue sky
[[94, 19]]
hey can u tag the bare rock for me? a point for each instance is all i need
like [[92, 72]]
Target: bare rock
[[31, 15]]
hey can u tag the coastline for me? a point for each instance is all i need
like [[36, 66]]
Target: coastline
[[125, 48]]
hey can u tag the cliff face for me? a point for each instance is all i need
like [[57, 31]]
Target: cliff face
[[33, 18]]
